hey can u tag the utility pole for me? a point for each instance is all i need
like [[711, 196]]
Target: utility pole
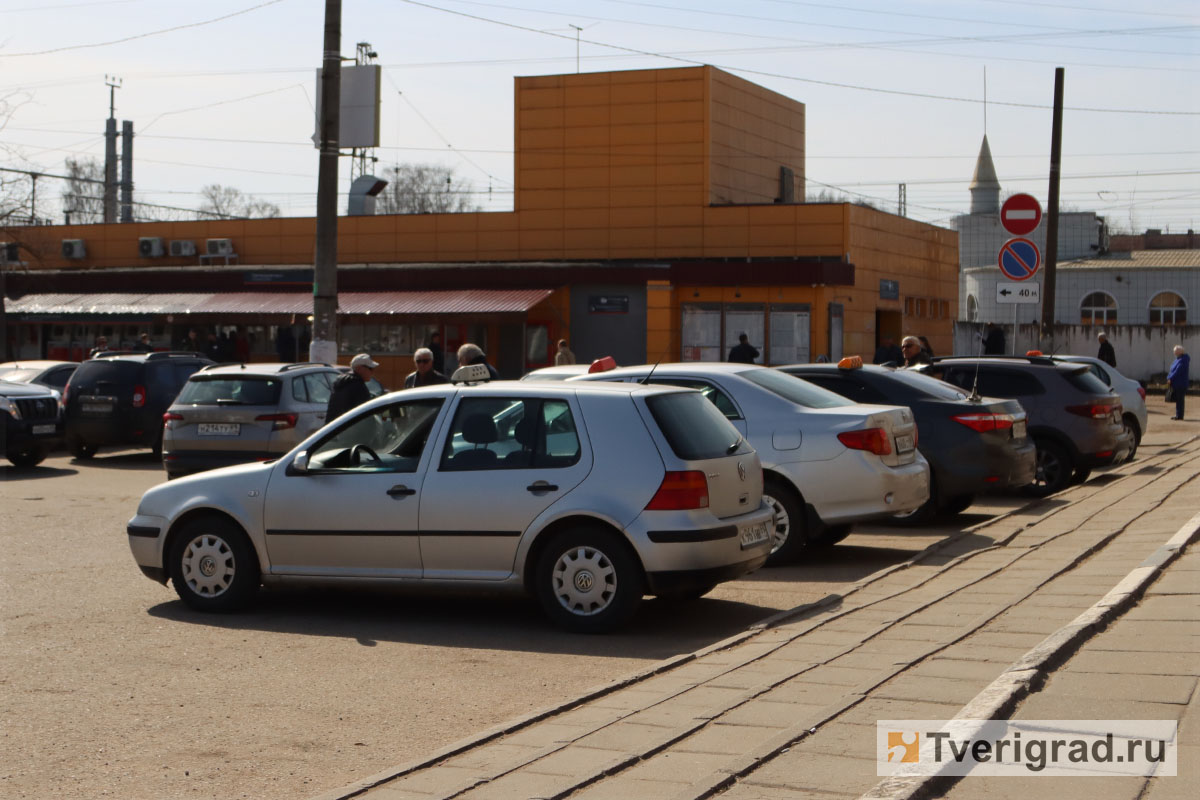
[[323, 345], [902, 202], [1052, 207], [578, 30], [110, 150], [127, 170]]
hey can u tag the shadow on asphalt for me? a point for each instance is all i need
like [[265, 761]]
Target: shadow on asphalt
[[143, 462], [32, 473], [489, 621]]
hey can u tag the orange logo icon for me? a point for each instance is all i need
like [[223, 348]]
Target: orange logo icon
[[904, 747]]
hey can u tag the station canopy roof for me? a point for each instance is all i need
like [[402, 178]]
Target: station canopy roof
[[471, 301]]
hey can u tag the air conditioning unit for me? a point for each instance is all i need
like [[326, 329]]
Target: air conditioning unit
[[150, 246], [183, 247], [219, 247], [73, 248]]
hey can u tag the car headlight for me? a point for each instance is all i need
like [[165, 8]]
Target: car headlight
[[10, 407]]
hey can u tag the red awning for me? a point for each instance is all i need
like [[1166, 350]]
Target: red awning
[[474, 301]]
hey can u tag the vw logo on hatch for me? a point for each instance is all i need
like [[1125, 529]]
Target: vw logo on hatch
[[741, 470]]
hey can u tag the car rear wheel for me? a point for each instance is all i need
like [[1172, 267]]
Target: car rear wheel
[[1054, 469], [80, 449], [958, 503], [588, 581], [791, 531], [831, 535], [28, 458], [1135, 432], [212, 565]]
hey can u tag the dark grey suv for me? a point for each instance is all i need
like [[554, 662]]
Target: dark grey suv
[[1073, 418]]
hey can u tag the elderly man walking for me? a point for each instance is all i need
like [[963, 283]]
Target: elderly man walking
[[424, 374], [1106, 354]]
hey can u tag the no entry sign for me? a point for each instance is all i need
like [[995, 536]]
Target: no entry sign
[[1020, 259], [1020, 214]]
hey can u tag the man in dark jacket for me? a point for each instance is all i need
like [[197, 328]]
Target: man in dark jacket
[[350, 390], [910, 346], [743, 352], [887, 352], [1106, 354], [425, 374], [473, 354], [993, 343]]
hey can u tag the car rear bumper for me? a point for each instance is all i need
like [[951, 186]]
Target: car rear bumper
[[1121, 448], [852, 489], [682, 581], [676, 544], [186, 462], [986, 468]]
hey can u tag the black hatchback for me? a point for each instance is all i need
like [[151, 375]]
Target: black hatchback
[[119, 399], [973, 444]]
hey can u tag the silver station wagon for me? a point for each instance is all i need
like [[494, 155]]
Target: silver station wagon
[[587, 496]]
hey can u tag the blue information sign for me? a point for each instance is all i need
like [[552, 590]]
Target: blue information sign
[[1020, 259]]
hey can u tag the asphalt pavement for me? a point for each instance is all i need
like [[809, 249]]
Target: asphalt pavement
[[1079, 606]]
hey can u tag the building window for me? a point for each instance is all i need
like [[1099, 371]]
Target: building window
[[1168, 308], [972, 309], [700, 332], [1098, 308]]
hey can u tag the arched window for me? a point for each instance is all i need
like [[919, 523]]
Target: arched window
[[1168, 308], [972, 309], [1098, 308]]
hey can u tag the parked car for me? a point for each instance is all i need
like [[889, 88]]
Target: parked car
[[828, 462], [120, 399], [52, 374], [233, 413], [1074, 419], [973, 444], [586, 497], [559, 373], [1132, 394], [31, 422]]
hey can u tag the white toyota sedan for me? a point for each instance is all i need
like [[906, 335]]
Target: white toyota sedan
[[828, 461], [586, 496]]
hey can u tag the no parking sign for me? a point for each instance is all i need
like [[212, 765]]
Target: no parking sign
[[1020, 259]]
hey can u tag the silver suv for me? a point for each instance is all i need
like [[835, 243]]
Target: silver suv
[[586, 496], [231, 414]]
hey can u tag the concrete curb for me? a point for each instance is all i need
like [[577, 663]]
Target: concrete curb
[[1027, 674]]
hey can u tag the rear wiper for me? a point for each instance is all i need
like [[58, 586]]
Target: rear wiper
[[225, 401], [733, 447]]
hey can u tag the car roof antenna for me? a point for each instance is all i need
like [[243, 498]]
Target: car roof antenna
[[646, 379], [975, 398]]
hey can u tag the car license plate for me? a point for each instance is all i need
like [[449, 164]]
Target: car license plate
[[1019, 429], [38, 430], [904, 443], [754, 534], [218, 429], [96, 408]]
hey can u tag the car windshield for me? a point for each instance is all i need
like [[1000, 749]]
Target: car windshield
[[797, 390], [18, 374], [929, 385], [239, 391]]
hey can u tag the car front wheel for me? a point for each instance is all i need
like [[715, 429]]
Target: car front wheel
[[588, 581], [28, 458], [212, 565]]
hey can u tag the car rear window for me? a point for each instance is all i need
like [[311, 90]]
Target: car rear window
[[1083, 380], [928, 385], [798, 391], [694, 428], [234, 391], [93, 372]]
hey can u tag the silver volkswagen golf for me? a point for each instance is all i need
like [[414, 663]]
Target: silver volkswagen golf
[[586, 496]]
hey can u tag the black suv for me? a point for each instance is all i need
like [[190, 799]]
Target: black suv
[[31, 426], [1073, 418], [120, 398]]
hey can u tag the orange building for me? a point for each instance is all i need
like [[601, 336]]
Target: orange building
[[657, 215]]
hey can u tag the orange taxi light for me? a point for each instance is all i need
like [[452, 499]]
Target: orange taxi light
[[851, 362], [1034, 352], [603, 364]]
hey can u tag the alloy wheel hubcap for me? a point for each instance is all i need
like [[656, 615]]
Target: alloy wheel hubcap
[[208, 565], [584, 581], [783, 523]]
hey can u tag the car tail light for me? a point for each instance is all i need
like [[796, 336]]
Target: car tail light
[[1094, 410], [680, 491], [65, 394], [874, 440], [1141, 392], [168, 417], [279, 421], [985, 422], [139, 396]]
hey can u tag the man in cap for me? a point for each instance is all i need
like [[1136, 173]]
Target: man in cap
[[351, 390], [1106, 354]]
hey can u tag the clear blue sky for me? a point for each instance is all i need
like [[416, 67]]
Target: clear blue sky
[[222, 92]]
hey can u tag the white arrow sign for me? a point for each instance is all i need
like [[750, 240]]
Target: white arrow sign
[[1018, 292]]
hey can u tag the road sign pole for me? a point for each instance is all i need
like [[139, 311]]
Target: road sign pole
[[1052, 202]]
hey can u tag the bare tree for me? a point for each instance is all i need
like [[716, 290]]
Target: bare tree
[[424, 189], [228, 201], [83, 196]]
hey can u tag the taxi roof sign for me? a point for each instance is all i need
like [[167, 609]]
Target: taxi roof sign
[[851, 362]]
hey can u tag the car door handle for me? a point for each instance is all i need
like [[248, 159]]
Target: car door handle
[[399, 490], [541, 486]]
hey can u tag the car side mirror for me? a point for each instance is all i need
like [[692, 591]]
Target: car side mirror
[[299, 465]]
